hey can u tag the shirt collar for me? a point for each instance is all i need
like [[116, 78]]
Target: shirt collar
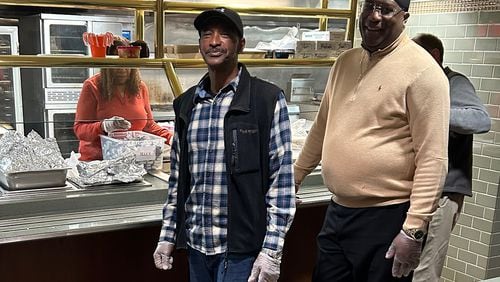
[[203, 88], [402, 38]]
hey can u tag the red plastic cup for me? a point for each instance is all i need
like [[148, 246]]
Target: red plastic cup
[[98, 43], [98, 49]]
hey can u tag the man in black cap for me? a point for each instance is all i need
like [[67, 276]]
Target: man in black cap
[[381, 136], [231, 197]]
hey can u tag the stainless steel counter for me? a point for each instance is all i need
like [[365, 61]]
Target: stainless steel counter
[[66, 211]]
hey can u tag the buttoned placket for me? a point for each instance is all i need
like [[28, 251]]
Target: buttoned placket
[[214, 105], [209, 165]]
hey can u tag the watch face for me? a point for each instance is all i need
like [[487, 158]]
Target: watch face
[[419, 234]]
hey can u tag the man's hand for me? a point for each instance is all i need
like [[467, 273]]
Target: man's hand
[[406, 253], [163, 255], [459, 199], [265, 269]]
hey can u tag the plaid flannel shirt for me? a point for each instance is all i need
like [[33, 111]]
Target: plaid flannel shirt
[[207, 205]]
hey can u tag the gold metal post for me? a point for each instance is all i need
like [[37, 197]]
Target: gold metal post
[[139, 25], [352, 20], [159, 18], [323, 23], [173, 79]]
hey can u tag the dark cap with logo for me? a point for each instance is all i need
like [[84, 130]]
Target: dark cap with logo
[[404, 4], [228, 15]]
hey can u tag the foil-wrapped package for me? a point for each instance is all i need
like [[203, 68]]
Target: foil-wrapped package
[[123, 169], [31, 153]]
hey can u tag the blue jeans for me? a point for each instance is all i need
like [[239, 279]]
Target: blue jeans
[[219, 268]]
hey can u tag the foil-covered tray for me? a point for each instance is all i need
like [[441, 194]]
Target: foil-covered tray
[[33, 179]]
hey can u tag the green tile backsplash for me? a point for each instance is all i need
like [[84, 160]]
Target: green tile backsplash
[[465, 44], [455, 31], [486, 44], [467, 18], [482, 70], [489, 17], [447, 19], [476, 30]]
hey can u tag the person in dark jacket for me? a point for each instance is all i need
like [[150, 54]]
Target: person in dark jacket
[[468, 116], [231, 196]]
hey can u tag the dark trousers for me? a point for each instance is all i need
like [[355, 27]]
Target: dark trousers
[[353, 241]]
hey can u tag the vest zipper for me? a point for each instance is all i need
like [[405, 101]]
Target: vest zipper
[[225, 262], [234, 150]]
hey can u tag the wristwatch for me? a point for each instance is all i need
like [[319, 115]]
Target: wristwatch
[[415, 233]]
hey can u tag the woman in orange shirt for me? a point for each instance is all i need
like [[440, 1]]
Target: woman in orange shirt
[[113, 100]]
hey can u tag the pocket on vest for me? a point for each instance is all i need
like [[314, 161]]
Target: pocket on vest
[[245, 152]]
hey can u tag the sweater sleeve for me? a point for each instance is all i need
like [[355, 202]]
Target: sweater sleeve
[[468, 114], [87, 127], [428, 113], [151, 126]]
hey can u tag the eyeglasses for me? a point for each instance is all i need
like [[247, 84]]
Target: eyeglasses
[[384, 10]]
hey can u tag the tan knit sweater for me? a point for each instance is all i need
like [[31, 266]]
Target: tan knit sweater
[[381, 133]]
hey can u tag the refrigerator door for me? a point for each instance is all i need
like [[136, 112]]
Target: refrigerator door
[[64, 37], [60, 126], [11, 109]]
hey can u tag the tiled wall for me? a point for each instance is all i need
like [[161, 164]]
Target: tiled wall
[[470, 31]]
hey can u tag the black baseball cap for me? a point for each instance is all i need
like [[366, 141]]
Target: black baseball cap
[[223, 13], [404, 4]]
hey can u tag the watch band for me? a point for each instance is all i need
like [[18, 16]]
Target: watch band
[[415, 234]]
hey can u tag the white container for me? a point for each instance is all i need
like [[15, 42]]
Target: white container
[[148, 148], [316, 36]]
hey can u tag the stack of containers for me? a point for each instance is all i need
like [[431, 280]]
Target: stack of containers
[[322, 44]]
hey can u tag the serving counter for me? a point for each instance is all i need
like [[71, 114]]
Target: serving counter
[[108, 233]]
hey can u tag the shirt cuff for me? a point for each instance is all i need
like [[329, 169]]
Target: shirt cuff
[[413, 222], [272, 253]]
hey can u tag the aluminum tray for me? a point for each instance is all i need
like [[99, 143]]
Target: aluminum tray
[[33, 179]]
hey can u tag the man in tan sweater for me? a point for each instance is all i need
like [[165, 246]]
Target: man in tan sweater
[[381, 136]]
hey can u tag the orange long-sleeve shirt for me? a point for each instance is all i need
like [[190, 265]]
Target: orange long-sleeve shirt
[[92, 109]]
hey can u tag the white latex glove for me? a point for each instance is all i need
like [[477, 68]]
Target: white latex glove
[[265, 269], [406, 252], [115, 123], [163, 255]]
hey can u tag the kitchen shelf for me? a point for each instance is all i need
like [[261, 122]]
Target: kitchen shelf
[[162, 7], [86, 4], [29, 61], [195, 8]]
